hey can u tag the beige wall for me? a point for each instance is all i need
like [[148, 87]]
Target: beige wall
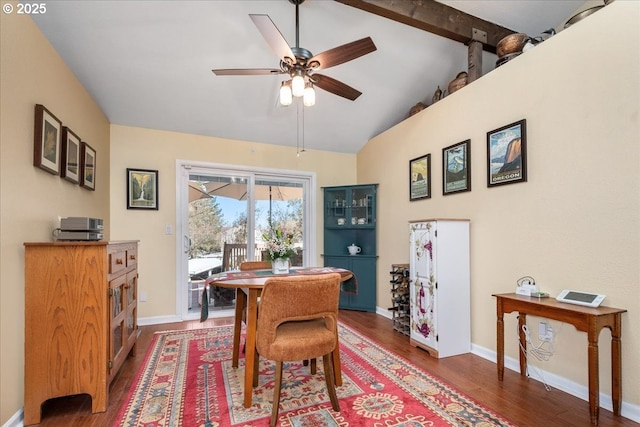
[[575, 223], [159, 150], [31, 200]]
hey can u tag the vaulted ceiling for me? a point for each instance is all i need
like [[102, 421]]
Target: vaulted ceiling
[[148, 63]]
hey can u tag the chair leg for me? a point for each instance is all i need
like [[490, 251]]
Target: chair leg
[[276, 394], [313, 366], [328, 377]]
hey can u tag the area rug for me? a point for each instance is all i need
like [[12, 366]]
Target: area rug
[[187, 380]]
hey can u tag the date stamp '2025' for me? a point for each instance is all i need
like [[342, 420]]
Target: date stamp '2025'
[[25, 8]]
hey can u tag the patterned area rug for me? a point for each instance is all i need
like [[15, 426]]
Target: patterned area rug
[[187, 380]]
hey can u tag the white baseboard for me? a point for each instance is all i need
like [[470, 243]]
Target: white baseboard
[[158, 320], [580, 391], [627, 410], [17, 420]]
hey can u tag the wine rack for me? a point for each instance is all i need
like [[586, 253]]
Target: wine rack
[[400, 310]]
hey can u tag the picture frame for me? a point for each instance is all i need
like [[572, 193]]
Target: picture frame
[[46, 140], [456, 168], [142, 189], [507, 154], [70, 156], [420, 178], [87, 167]]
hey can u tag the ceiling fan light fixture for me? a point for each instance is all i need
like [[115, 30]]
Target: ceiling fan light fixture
[[286, 97], [297, 84], [309, 97]]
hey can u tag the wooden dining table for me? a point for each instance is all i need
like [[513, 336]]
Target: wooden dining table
[[248, 286]]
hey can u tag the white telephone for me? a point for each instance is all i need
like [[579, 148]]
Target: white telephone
[[526, 286]]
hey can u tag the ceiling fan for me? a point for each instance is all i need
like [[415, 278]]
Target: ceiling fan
[[301, 65]]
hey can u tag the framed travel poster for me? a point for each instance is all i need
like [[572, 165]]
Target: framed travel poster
[[507, 154], [456, 168], [420, 178]]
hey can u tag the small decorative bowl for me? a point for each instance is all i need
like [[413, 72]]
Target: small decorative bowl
[[511, 44], [580, 16], [459, 82]]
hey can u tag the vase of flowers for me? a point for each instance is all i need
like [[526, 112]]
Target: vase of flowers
[[279, 249]]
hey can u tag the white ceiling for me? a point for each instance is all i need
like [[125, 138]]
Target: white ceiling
[[148, 64]]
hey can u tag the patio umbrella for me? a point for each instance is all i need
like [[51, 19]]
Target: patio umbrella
[[195, 193], [263, 190]]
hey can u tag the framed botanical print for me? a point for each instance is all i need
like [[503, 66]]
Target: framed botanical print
[[70, 156], [507, 154], [456, 168], [46, 140], [87, 166], [142, 189], [420, 178]]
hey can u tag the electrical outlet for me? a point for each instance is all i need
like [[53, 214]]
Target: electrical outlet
[[545, 332], [143, 296]]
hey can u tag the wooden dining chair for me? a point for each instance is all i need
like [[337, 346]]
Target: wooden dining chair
[[255, 265], [241, 308], [298, 320]]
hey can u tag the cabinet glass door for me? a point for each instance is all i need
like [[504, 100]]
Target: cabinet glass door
[[131, 291], [362, 206], [336, 203], [117, 309]]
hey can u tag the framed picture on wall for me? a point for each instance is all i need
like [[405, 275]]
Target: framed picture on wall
[[507, 154], [87, 166], [142, 189], [456, 168], [46, 140], [420, 178], [70, 156]]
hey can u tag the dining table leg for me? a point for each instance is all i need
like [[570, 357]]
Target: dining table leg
[[250, 350], [241, 304]]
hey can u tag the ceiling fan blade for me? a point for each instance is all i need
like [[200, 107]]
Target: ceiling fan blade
[[273, 37], [334, 86], [246, 71], [341, 54]]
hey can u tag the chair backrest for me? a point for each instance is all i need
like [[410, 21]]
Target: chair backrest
[[296, 298], [233, 254], [255, 265]]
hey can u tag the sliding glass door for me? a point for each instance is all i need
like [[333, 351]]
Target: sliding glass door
[[224, 214]]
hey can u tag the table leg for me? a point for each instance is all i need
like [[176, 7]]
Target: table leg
[[241, 303], [594, 380], [616, 364], [250, 350], [500, 349], [522, 337]]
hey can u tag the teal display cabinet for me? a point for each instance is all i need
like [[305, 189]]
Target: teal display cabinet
[[350, 218]]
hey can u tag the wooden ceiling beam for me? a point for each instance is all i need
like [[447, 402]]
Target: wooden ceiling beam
[[436, 18]]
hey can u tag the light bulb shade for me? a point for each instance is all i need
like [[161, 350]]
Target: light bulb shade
[[297, 85], [285, 94], [309, 98]]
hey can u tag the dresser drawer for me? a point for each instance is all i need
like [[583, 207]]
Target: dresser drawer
[[132, 256], [117, 261]]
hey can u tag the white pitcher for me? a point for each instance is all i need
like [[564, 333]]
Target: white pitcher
[[353, 249]]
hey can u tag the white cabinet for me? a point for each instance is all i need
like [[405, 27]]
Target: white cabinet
[[440, 286]]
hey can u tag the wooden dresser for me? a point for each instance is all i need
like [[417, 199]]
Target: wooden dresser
[[80, 319]]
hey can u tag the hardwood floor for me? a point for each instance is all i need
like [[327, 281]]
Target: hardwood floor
[[524, 402]]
